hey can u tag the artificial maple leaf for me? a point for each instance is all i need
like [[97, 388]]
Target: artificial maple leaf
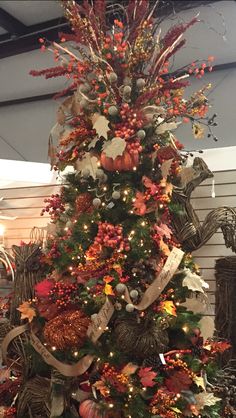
[[27, 311], [164, 247], [194, 282], [114, 148], [129, 369], [167, 186], [169, 189], [178, 381], [88, 163], [165, 167], [146, 376], [163, 230], [219, 346], [108, 290], [205, 399], [199, 381], [100, 124], [195, 305], [168, 307], [139, 205], [207, 327], [103, 389]]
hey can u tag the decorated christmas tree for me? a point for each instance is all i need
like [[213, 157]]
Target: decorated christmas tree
[[116, 328]]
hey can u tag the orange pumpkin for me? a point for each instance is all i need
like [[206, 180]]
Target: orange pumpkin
[[125, 162], [91, 409]]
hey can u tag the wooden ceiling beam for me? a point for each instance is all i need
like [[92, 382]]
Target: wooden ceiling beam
[[11, 24]]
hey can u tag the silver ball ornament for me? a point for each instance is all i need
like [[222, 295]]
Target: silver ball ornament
[[112, 77], [115, 195], [129, 307], [120, 288], [134, 294], [141, 134], [113, 111], [140, 83], [118, 306], [97, 202]]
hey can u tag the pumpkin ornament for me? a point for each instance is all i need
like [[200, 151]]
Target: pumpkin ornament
[[92, 409], [124, 162]]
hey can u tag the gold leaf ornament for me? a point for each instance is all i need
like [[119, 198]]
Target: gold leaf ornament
[[205, 399], [114, 148], [199, 381], [194, 282], [89, 164], [165, 167], [195, 305], [100, 124], [207, 327]]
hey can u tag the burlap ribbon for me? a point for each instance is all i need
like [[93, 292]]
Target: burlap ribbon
[[99, 322], [161, 281]]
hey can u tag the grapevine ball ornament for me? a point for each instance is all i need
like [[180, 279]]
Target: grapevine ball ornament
[[68, 329], [144, 338]]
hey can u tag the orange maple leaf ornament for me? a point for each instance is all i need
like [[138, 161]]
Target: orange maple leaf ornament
[[27, 311], [168, 307], [108, 288], [103, 389]]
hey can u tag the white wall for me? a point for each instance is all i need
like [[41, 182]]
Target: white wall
[[27, 126]]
